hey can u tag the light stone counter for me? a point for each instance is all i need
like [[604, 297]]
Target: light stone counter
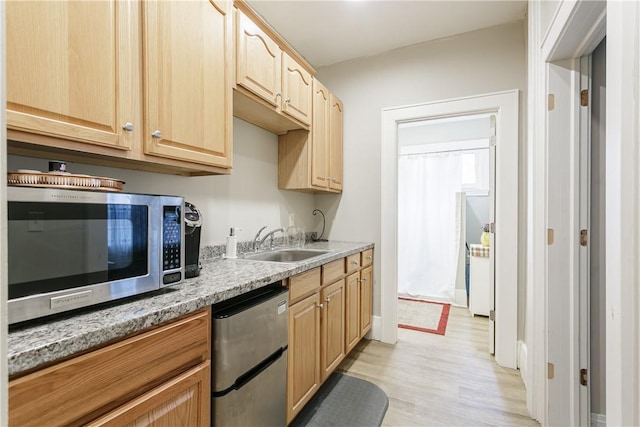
[[39, 343]]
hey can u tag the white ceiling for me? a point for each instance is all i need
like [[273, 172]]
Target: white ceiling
[[328, 32]]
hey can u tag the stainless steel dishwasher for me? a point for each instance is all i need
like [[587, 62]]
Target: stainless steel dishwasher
[[249, 376]]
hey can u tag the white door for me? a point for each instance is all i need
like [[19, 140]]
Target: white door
[[563, 244], [584, 167]]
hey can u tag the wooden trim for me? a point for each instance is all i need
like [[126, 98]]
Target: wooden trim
[[284, 45], [32, 145]]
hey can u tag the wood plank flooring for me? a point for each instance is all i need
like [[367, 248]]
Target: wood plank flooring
[[435, 380]]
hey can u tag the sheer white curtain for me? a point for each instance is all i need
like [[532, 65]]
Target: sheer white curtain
[[428, 223]]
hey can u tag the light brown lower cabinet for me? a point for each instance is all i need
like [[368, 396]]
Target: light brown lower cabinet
[[366, 299], [156, 377], [332, 322], [182, 401], [352, 310], [303, 368], [330, 310]]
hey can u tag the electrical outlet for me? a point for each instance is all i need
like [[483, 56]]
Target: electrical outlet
[[292, 219]]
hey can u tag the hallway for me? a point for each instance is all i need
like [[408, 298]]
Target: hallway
[[448, 380]]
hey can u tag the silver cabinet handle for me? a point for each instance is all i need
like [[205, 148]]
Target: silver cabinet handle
[[128, 126], [354, 262], [364, 280], [287, 100], [328, 300], [156, 134], [278, 94], [369, 257], [320, 306]]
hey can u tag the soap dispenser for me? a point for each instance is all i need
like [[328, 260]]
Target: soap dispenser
[[232, 243]]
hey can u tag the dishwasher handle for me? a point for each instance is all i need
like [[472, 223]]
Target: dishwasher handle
[[252, 373]]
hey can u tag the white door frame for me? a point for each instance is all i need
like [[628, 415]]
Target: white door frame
[[505, 105], [554, 129]]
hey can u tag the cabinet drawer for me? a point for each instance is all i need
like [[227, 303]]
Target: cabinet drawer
[[83, 388], [367, 258], [353, 263], [304, 284], [332, 271]]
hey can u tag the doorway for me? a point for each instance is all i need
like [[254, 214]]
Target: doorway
[[443, 204], [505, 240]]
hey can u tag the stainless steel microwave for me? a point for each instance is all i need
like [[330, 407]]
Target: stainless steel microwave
[[69, 249]]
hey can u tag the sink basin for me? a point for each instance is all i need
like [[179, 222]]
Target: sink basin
[[285, 255]]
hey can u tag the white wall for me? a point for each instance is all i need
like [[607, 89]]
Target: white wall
[[484, 61], [248, 199]]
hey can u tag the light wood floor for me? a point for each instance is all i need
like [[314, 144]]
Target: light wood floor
[[449, 380]]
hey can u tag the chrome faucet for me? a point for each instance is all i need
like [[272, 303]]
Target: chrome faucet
[[258, 242]]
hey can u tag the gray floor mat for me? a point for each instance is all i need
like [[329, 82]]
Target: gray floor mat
[[344, 401]]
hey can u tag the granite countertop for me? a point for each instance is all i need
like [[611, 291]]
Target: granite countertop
[[39, 343]]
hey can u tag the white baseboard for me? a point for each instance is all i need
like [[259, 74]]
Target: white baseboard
[[598, 420], [461, 297], [522, 362], [376, 328]]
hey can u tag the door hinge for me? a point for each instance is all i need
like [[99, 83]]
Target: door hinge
[[492, 315], [551, 102], [584, 234], [550, 236], [584, 97], [492, 227], [584, 377], [551, 370]]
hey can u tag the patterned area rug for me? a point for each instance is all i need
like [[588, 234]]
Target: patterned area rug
[[423, 316]]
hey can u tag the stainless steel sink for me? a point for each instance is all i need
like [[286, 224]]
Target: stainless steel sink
[[285, 255]]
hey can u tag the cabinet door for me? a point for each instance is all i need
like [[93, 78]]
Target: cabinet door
[[188, 84], [71, 69], [335, 143], [332, 327], [258, 61], [296, 90], [352, 310], [303, 368], [366, 299], [181, 401], [320, 136]]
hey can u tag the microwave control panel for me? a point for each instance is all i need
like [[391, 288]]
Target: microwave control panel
[[171, 242]]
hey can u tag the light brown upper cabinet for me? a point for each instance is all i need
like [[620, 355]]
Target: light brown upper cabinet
[[75, 83], [69, 70], [273, 83], [188, 84], [335, 143], [258, 61], [320, 136], [296, 90], [312, 161]]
